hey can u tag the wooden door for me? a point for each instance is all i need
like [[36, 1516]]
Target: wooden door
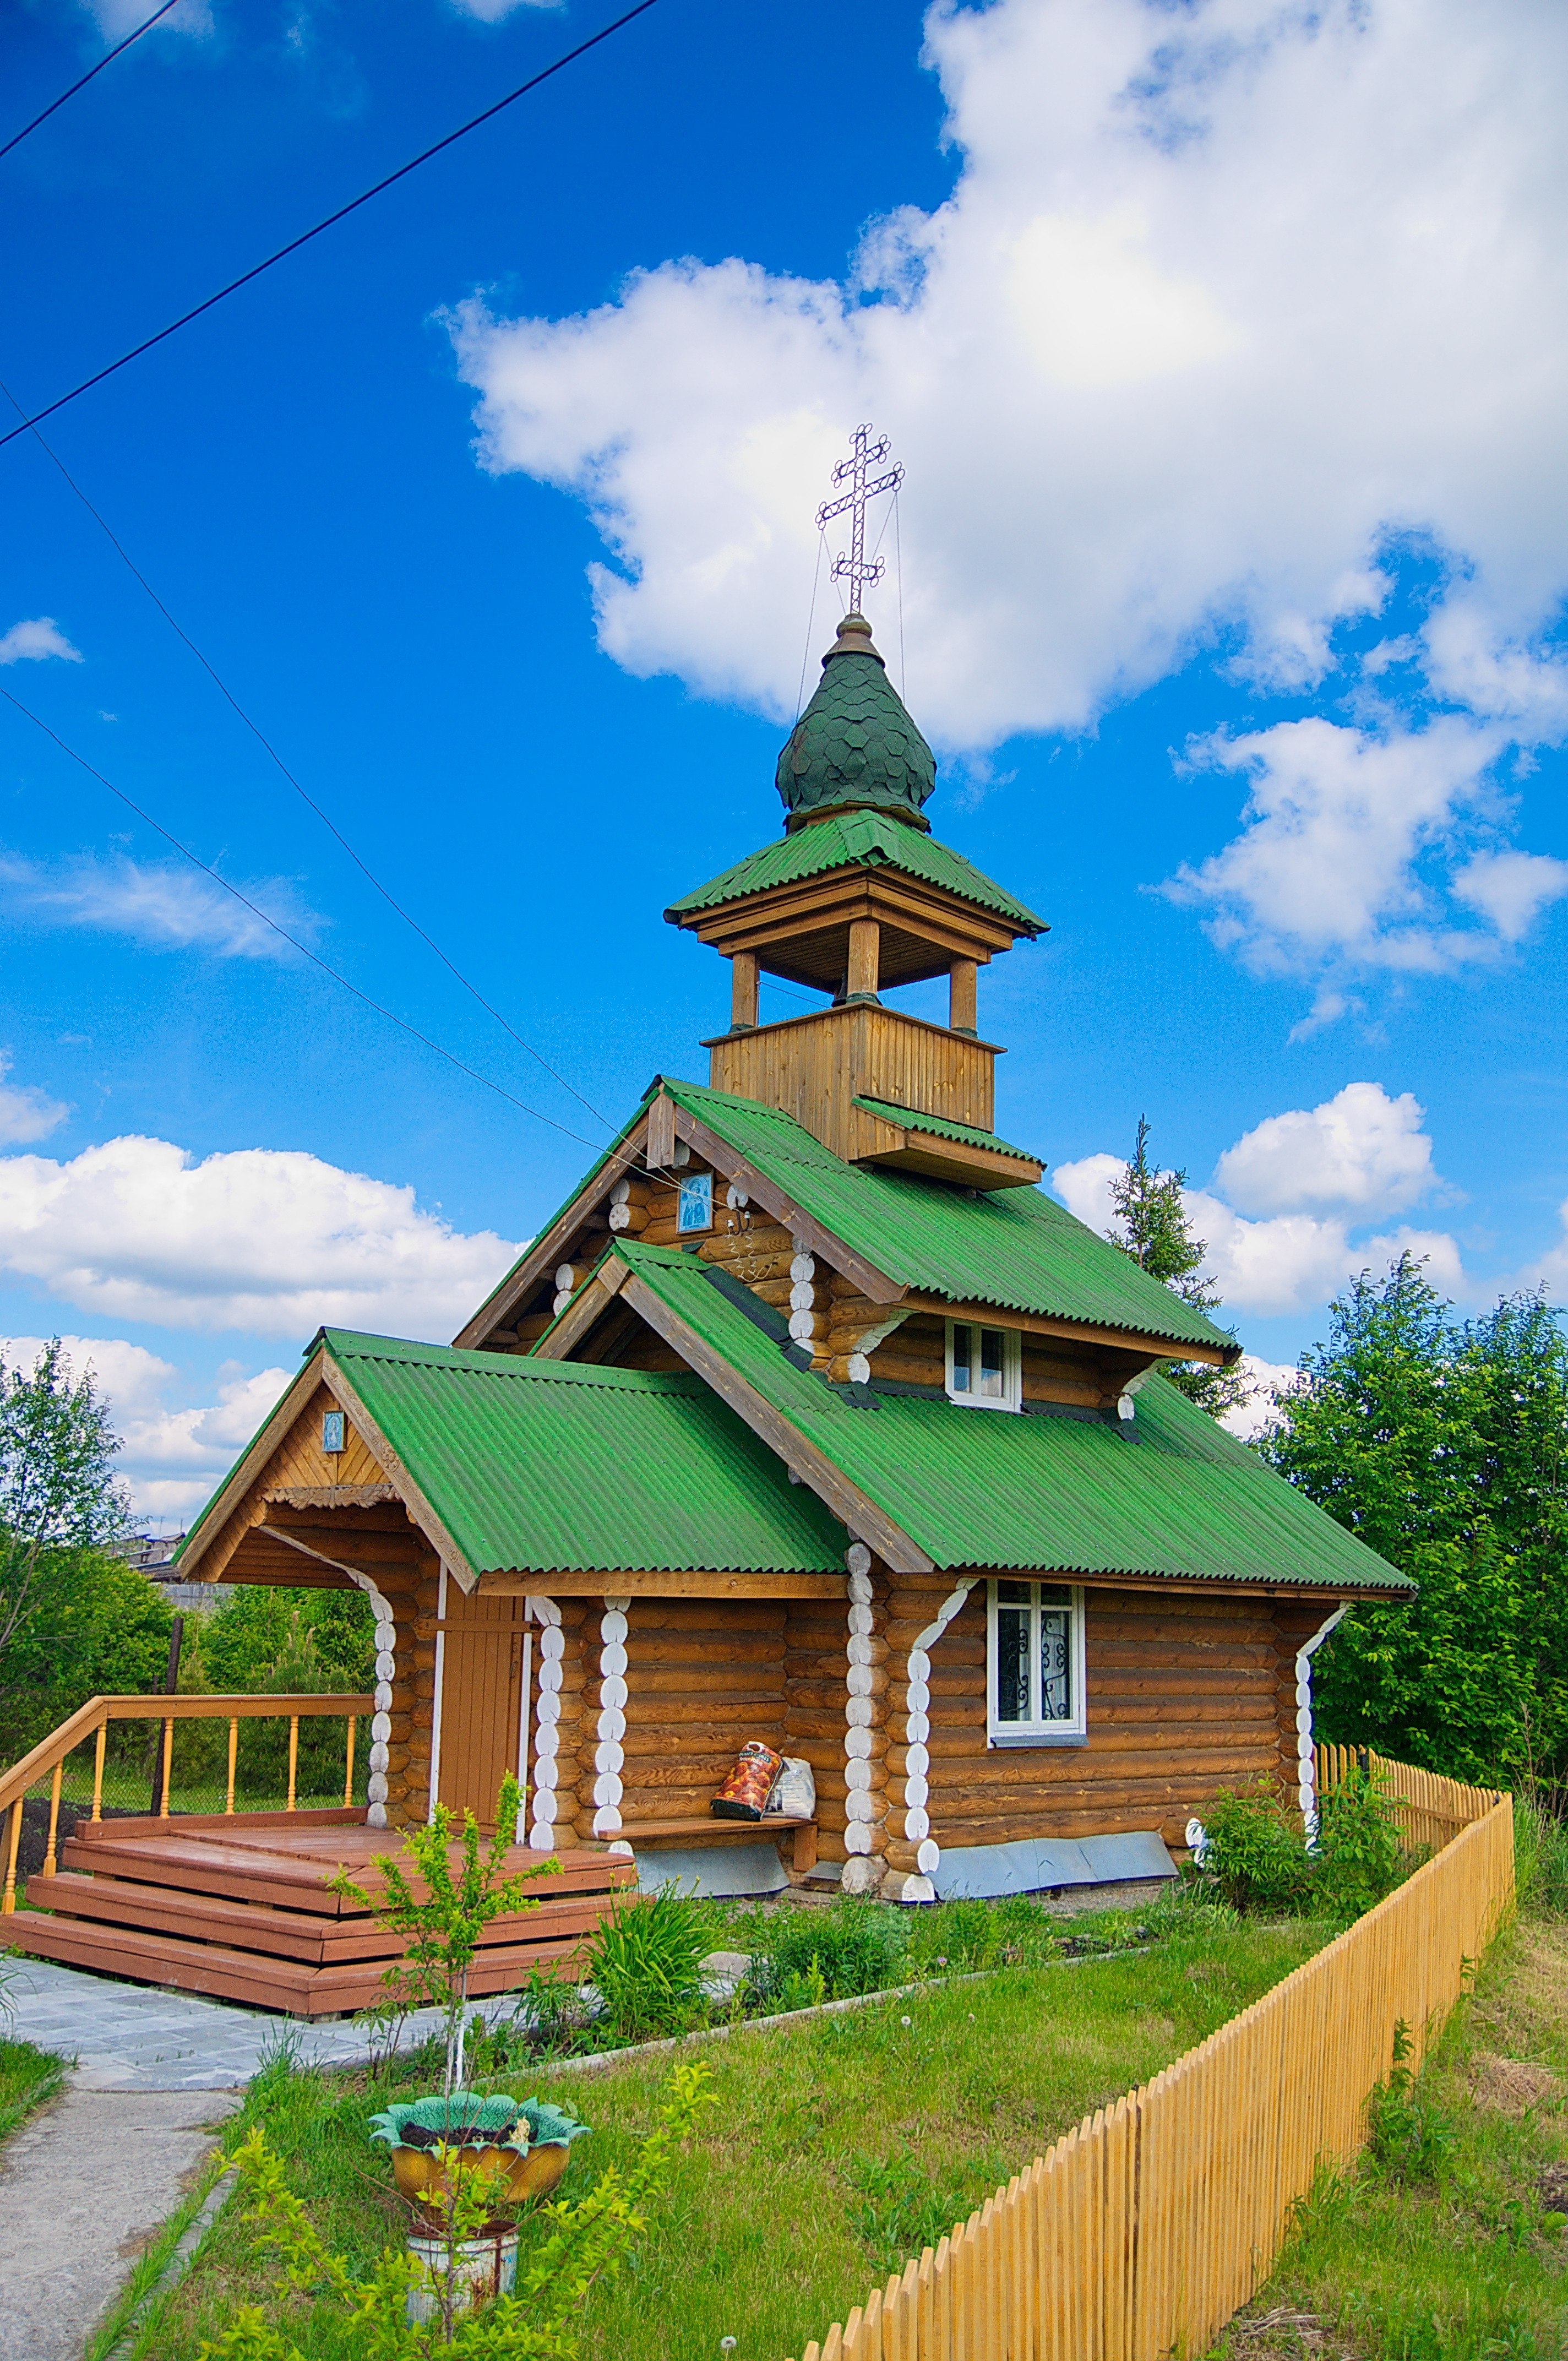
[[482, 1698]]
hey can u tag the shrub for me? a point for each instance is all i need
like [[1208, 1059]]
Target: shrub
[[1409, 2137], [833, 1954], [1358, 1857], [1541, 1855], [646, 1961], [1255, 1857]]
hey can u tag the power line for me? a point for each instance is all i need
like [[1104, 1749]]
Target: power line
[[557, 66], [292, 940], [55, 105], [305, 797]]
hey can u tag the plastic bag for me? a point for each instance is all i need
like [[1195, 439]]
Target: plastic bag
[[795, 1790], [744, 1794]]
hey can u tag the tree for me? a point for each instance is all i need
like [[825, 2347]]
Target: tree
[[1443, 1444], [58, 1493], [1153, 1227]]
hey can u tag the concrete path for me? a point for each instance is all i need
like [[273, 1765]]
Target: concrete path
[[139, 2038], [83, 2186]]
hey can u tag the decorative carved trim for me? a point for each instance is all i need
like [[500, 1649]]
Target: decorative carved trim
[[861, 1828], [609, 1753], [1306, 1766], [916, 1730], [547, 1721]]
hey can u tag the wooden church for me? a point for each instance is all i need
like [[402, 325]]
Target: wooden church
[[811, 1419]]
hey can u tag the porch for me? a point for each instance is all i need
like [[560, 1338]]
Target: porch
[[236, 1905]]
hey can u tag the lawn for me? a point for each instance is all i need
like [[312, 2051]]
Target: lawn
[[837, 2147], [27, 2077], [1448, 2241]]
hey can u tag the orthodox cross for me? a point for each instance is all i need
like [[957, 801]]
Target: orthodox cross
[[859, 571]]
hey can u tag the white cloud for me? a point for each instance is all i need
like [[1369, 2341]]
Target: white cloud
[[1266, 1378], [26, 1112], [1361, 1152], [1223, 294], [1338, 819], [1551, 1270], [1511, 889], [30, 643], [116, 18], [491, 12], [171, 1458], [162, 905], [271, 1241], [1360, 1149]]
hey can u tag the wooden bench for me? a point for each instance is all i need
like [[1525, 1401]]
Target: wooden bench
[[803, 1853]]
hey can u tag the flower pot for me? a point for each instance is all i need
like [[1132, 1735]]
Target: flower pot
[[482, 2268], [421, 2173]]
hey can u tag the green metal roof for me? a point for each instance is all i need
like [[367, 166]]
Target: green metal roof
[[855, 744], [1014, 1247], [977, 1487], [964, 1133], [541, 1466], [855, 839]]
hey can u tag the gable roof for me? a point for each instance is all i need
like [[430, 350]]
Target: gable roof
[[1180, 1500], [856, 840], [1014, 1247], [541, 1467]]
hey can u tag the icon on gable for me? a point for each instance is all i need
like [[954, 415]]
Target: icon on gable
[[696, 1201]]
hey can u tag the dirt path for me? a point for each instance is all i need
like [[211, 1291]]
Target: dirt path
[[83, 2186]]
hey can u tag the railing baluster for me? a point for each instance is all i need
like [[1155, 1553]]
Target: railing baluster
[[54, 1817], [293, 1758], [101, 1743], [233, 1751], [8, 1901], [348, 1771], [168, 1759]]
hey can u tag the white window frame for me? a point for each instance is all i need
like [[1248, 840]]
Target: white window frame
[[1012, 1395], [1073, 1732]]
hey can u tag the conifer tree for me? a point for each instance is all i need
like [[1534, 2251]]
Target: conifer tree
[[1153, 1227]]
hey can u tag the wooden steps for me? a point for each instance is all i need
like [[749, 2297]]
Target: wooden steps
[[239, 1909]]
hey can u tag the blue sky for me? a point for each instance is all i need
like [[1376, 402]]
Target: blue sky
[[1224, 347]]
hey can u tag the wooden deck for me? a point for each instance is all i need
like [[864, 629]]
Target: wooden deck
[[239, 1908]]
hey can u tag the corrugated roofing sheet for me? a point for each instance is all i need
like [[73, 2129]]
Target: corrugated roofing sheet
[[856, 840], [1014, 1247], [534, 1466], [964, 1133], [989, 1488]]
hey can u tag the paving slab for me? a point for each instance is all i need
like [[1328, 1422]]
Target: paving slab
[[84, 2187], [139, 2037]]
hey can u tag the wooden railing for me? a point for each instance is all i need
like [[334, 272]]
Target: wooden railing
[[91, 1721], [1144, 2230]]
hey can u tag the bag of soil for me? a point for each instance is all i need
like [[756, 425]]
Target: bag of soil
[[795, 1789], [744, 1794]]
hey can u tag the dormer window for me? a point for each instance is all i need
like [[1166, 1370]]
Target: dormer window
[[985, 1366]]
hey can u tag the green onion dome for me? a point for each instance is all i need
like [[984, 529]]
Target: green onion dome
[[855, 746]]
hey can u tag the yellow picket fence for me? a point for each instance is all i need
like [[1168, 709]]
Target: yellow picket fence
[[1143, 2230]]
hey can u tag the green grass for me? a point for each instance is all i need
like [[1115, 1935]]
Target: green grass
[[1465, 2256], [27, 2077], [837, 2146]]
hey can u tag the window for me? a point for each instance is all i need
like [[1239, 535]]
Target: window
[[333, 1425], [695, 1202], [1035, 1664], [985, 1366]]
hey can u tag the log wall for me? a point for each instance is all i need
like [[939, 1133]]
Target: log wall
[[1186, 1696], [703, 1675]]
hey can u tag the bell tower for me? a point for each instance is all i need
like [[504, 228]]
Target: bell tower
[[857, 897]]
